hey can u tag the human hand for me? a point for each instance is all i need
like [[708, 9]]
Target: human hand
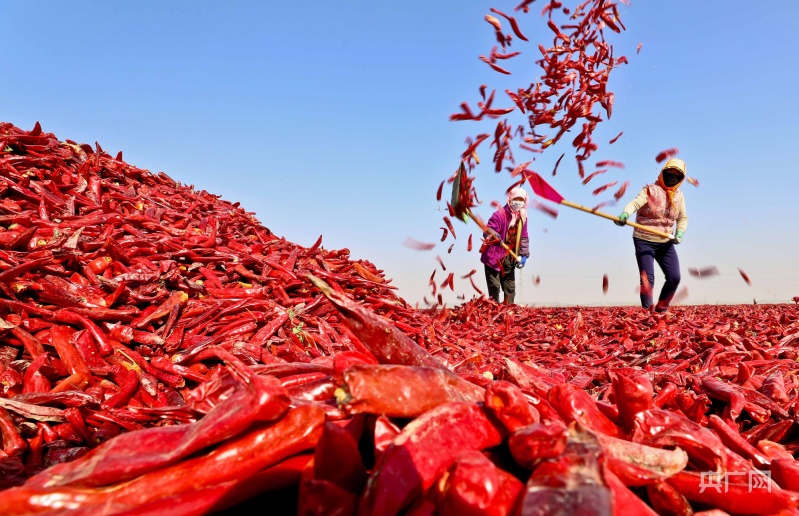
[[622, 219], [678, 237], [520, 261]]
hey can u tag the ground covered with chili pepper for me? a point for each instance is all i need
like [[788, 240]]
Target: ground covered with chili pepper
[[160, 347]]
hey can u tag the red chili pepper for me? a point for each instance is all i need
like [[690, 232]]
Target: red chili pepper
[[576, 405], [528, 445], [508, 404], [666, 154], [13, 443], [61, 340], [422, 451], [131, 455], [733, 495], [401, 391], [733, 440], [633, 395], [384, 341], [474, 485], [265, 445], [31, 343], [658, 428], [337, 459], [177, 298], [100, 338]]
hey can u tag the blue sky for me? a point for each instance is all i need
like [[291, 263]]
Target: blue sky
[[331, 118]]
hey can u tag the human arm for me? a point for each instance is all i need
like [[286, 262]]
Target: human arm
[[682, 218], [682, 223], [524, 242], [494, 227], [637, 203], [632, 206]]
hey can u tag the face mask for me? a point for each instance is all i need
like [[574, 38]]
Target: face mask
[[515, 206], [670, 179]]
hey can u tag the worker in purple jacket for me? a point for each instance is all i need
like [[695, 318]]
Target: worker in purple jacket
[[509, 224]]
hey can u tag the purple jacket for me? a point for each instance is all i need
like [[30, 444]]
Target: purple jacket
[[500, 222]]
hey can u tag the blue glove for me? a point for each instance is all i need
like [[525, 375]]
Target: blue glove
[[521, 261], [622, 219], [678, 237]]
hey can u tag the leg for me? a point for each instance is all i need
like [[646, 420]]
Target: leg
[[670, 265], [509, 280], [645, 256], [493, 283]]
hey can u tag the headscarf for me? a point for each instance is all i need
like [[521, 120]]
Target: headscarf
[[676, 164], [512, 194]]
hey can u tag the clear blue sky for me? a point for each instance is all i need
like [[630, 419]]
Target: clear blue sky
[[331, 117]]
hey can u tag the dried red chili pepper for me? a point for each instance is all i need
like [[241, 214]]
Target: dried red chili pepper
[[386, 343], [401, 391], [422, 451], [474, 485]]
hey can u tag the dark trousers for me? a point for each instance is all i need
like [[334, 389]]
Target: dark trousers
[[646, 254], [506, 281]]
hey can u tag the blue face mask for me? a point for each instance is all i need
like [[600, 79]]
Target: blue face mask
[[515, 206]]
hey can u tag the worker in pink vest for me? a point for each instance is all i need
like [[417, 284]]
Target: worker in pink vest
[[660, 206]]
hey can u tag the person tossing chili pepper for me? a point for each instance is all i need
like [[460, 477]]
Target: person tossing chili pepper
[[659, 206], [509, 224]]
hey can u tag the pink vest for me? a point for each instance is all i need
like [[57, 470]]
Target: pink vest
[[658, 213]]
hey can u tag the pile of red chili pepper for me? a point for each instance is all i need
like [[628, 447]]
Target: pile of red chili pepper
[[161, 348]]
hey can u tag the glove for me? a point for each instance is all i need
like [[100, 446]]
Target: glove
[[622, 219], [520, 261], [678, 237]]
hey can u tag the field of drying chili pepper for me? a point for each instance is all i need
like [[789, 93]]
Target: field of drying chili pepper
[[161, 348]]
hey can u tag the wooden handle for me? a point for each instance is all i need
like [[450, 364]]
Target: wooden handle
[[486, 229], [616, 219]]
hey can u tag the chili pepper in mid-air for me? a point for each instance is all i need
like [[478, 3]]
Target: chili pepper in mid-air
[[666, 154]]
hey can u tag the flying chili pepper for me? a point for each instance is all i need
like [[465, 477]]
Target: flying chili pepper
[[555, 170], [622, 189], [609, 163], [666, 154], [419, 246], [604, 187], [594, 174]]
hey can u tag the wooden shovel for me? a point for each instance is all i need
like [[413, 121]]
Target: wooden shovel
[[541, 188], [464, 213]]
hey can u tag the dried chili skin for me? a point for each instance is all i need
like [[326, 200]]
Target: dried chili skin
[[402, 391], [422, 451], [633, 395], [474, 485], [386, 343], [576, 405], [537, 441], [134, 454], [570, 483], [735, 497], [236, 460]]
